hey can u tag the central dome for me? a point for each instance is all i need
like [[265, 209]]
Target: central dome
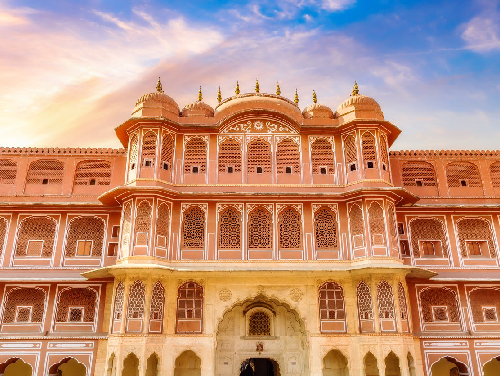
[[157, 104], [359, 106]]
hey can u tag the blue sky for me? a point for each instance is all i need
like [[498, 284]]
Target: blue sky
[[72, 72]]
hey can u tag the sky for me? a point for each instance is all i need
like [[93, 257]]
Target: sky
[[71, 71]]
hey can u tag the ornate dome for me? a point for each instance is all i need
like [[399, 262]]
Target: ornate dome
[[198, 108], [359, 106], [317, 110], [156, 104]]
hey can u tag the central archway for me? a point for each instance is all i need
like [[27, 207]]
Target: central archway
[[265, 331], [260, 367]]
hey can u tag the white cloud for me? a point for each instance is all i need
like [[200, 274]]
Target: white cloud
[[336, 5], [482, 34]]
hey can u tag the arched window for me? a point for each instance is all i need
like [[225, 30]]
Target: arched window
[[85, 237], [230, 156], [335, 363], [167, 152], [162, 225], [350, 153], [384, 156], [371, 367], [230, 229], [259, 324], [356, 226], [195, 156], [376, 222], [260, 229], [8, 171], [428, 232], [157, 308], [35, 237], [3, 232], [135, 309], [189, 308], [418, 174], [24, 305], [331, 304], [290, 229], [152, 365], [142, 223], [495, 174], [485, 304], [193, 228], [148, 156], [393, 226], [119, 296], [134, 152], [403, 311], [439, 305], [322, 158], [475, 237], [385, 301], [463, 174], [93, 173], [259, 157], [325, 229], [45, 171], [287, 157], [369, 150], [76, 305], [126, 227], [365, 305], [392, 365]]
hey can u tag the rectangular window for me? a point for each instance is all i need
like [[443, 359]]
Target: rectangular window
[[440, 313], [477, 248], [401, 229], [115, 231], [75, 314], [112, 249], [463, 183], [23, 314], [141, 239], [405, 247], [34, 248], [165, 166], [195, 169], [148, 162], [229, 169], [84, 247], [369, 164], [288, 170], [259, 170], [323, 170], [352, 167], [358, 241], [418, 183], [490, 314]]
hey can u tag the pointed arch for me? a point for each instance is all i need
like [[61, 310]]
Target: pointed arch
[[365, 304], [152, 365], [142, 226], [325, 229], [331, 307], [193, 228], [167, 152], [195, 155], [136, 298], [76, 304], [36, 236], [119, 300], [230, 228], [131, 365], [370, 365], [24, 304], [148, 156], [157, 308], [335, 364], [350, 153], [162, 229], [392, 365], [189, 308], [376, 224], [428, 229], [439, 304], [187, 364], [133, 156], [287, 155], [259, 155], [260, 228], [126, 229], [356, 226], [230, 155], [384, 156], [385, 299], [472, 231], [369, 150], [290, 228], [322, 157]]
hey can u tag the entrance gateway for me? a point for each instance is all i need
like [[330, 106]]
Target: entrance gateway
[[259, 367]]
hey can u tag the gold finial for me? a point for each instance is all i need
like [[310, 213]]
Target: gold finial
[[200, 96], [278, 90], [315, 98], [355, 90], [257, 87], [237, 90], [296, 97], [159, 89], [219, 96]]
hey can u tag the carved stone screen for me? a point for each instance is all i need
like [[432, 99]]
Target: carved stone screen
[[421, 171], [193, 228], [438, 296], [393, 226], [259, 324], [24, 297], [142, 223], [376, 222], [356, 226], [260, 229], [8, 171], [259, 155], [495, 174], [135, 309], [325, 229], [350, 150], [475, 229], [403, 311], [322, 156], [290, 229], [93, 173], [157, 302], [134, 152], [368, 147], [385, 301], [167, 150], [457, 172], [45, 171], [230, 229], [126, 227], [481, 298], [287, 155], [427, 229], [85, 228], [3, 233], [383, 151], [230, 155], [149, 148], [76, 297], [162, 225], [40, 229], [195, 155], [365, 305], [119, 300]]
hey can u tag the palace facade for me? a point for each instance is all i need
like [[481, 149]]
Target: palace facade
[[253, 238]]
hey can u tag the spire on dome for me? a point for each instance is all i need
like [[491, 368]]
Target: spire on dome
[[237, 90], [296, 97], [257, 87], [355, 90], [315, 98], [278, 90], [159, 89], [219, 96], [200, 96]]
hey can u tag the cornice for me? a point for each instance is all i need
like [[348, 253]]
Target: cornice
[[63, 151]]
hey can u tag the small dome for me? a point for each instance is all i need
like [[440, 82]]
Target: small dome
[[155, 105], [317, 110], [198, 108], [359, 106]]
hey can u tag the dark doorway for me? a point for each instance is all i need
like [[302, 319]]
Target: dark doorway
[[259, 367]]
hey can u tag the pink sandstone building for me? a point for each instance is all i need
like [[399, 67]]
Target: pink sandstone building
[[250, 239]]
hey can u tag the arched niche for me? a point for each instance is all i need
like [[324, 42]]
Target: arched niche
[[335, 364], [68, 367], [130, 365], [15, 367], [492, 368], [449, 366], [370, 365], [187, 364]]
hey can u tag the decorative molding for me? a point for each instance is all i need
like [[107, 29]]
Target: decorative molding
[[297, 207], [295, 139], [222, 139], [333, 207], [187, 138], [258, 126], [222, 207], [186, 206], [225, 295], [330, 139], [249, 139], [296, 294]]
